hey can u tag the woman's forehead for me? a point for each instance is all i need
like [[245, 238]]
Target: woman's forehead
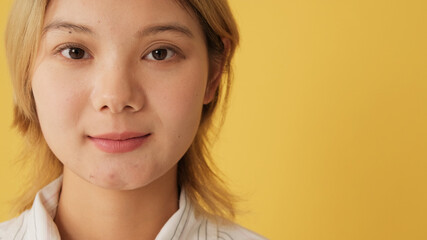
[[141, 17]]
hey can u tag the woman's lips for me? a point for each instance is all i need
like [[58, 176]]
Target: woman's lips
[[119, 142]]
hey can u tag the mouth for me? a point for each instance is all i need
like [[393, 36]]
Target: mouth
[[119, 142]]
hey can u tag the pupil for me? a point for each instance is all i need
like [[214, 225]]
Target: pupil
[[76, 53], [160, 54]]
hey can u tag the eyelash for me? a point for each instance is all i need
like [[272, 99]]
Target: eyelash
[[175, 52]]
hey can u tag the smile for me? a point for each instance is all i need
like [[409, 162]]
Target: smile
[[119, 142]]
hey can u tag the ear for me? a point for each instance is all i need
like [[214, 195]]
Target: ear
[[215, 73]]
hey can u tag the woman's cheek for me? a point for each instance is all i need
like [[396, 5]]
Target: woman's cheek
[[187, 112], [58, 97]]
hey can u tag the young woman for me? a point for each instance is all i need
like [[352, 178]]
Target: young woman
[[115, 100]]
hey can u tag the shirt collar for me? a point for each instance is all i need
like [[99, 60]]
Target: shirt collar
[[40, 217]]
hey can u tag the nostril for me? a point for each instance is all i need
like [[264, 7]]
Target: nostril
[[109, 108], [128, 107]]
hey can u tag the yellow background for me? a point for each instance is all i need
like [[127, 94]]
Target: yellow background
[[326, 136]]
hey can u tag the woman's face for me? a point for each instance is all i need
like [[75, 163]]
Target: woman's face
[[119, 87]]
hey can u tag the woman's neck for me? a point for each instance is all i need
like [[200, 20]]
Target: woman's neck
[[86, 211]]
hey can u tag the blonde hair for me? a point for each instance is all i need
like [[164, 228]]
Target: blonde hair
[[197, 173]]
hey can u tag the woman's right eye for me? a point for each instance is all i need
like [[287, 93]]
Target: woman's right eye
[[74, 53]]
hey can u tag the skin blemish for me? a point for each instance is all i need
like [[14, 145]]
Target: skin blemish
[[112, 176]]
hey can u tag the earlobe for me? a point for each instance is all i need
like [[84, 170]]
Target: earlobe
[[215, 75]]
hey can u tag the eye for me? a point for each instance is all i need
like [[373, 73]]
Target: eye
[[160, 54], [74, 53]]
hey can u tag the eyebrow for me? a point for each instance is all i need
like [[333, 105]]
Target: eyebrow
[[67, 26], [155, 29], [148, 31]]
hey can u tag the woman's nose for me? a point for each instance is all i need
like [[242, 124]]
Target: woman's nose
[[116, 90]]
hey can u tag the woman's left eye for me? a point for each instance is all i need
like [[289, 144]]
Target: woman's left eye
[[160, 54]]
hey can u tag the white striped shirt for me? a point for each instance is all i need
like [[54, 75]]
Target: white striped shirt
[[37, 223]]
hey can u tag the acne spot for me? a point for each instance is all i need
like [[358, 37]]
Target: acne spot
[[111, 176], [91, 176]]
